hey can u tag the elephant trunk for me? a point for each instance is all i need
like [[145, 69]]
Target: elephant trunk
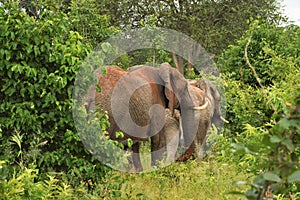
[[189, 127]]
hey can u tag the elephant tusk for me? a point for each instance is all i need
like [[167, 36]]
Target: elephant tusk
[[201, 107], [224, 120]]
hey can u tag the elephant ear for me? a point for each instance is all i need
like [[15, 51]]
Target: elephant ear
[[175, 84]]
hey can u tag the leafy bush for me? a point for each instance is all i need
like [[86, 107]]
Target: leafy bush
[[274, 54], [276, 155], [263, 109], [273, 51], [24, 185], [39, 59], [86, 19]]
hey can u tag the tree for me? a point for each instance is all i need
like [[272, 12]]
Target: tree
[[85, 17], [213, 24], [40, 55]]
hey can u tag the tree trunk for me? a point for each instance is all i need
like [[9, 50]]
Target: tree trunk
[[189, 69], [179, 63]]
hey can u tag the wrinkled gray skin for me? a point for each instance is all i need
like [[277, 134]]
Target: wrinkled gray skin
[[155, 88], [201, 91], [204, 89], [203, 94], [167, 140]]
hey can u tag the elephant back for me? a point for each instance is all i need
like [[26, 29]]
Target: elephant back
[[107, 82], [128, 99]]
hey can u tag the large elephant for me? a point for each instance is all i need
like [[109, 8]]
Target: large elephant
[[200, 90], [136, 101]]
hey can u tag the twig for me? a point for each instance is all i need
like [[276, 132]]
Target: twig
[[256, 76]]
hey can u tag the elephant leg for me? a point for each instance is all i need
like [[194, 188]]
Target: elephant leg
[[201, 139], [136, 157], [172, 141], [157, 148]]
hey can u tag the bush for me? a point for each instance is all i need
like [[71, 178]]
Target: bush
[[273, 51], [274, 54], [274, 153], [39, 59]]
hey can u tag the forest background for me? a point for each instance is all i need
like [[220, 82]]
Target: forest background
[[256, 51]]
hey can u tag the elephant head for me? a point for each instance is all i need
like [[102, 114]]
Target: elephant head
[[214, 97], [203, 92], [181, 97], [175, 94]]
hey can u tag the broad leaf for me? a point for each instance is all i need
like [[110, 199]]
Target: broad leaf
[[271, 177], [294, 177], [275, 139]]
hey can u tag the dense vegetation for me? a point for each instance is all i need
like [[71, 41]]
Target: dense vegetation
[[42, 46]]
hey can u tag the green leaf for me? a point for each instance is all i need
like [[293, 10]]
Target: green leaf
[[294, 177], [10, 91], [104, 71], [119, 134], [98, 88], [271, 177], [8, 56], [129, 142], [36, 50], [275, 139], [284, 123], [289, 145], [106, 47], [139, 195]]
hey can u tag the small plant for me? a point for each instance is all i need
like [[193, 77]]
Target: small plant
[[277, 158]]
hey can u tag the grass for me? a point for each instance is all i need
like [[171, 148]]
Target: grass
[[192, 180]]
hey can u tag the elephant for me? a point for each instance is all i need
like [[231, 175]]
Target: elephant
[[167, 139], [204, 89], [135, 101]]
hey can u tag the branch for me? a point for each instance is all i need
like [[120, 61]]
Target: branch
[[256, 76], [175, 60]]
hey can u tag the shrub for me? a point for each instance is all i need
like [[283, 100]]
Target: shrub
[[274, 54], [39, 60], [275, 153], [273, 51]]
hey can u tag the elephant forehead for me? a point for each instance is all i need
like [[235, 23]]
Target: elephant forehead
[[197, 94]]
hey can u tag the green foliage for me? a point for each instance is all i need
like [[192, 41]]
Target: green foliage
[[24, 186], [87, 19], [181, 180], [273, 51], [260, 138], [42, 156], [214, 24], [150, 56], [276, 154], [40, 57], [245, 105]]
